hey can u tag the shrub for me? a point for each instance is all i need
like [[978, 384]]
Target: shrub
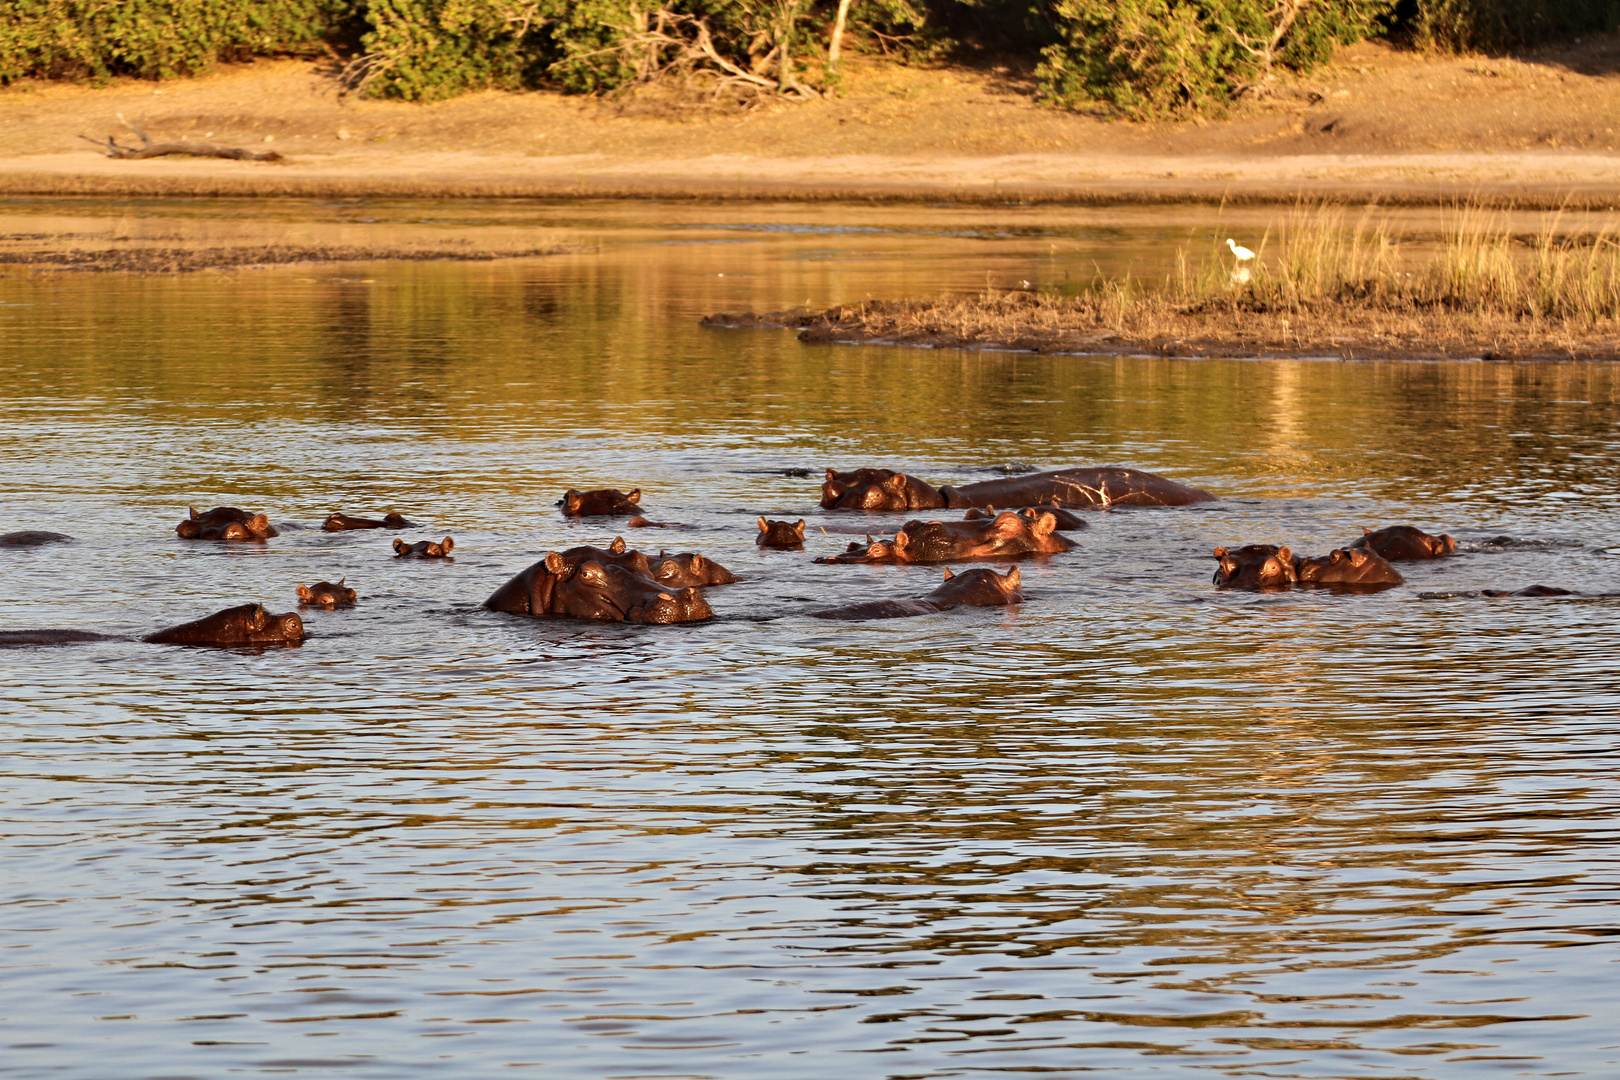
[[154, 38], [1151, 58], [1498, 25]]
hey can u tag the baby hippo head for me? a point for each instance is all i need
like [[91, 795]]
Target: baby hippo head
[[326, 594], [779, 534], [688, 569], [424, 549]]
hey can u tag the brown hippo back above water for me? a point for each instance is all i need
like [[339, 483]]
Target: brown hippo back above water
[[1349, 568], [245, 624], [979, 587], [885, 489], [345, 523], [592, 590], [1404, 542], [33, 538], [602, 502], [225, 523]]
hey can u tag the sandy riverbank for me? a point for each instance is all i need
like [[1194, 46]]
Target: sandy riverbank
[[1535, 130]]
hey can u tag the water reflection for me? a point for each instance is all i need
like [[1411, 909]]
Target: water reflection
[[1132, 826]]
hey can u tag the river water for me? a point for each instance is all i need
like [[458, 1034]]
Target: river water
[[1133, 827]]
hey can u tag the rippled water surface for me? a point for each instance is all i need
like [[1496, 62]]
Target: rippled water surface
[[1132, 827]]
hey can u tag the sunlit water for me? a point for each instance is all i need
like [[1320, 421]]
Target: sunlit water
[[1132, 827]]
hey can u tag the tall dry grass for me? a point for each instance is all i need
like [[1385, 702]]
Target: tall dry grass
[[1320, 259]]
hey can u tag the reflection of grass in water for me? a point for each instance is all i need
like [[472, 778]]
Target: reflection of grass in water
[[1319, 282]]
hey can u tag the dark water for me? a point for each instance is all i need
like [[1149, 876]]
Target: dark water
[[1130, 828]]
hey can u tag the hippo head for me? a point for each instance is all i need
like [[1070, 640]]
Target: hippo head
[[1006, 534], [1405, 542], [1255, 566], [617, 553], [599, 503], [873, 551], [326, 594], [424, 549], [687, 569], [877, 489], [980, 586], [1350, 566], [779, 534], [592, 590]]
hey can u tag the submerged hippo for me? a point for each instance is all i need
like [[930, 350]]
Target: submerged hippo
[[33, 538], [1404, 542], [1005, 536], [344, 523], [689, 569], [246, 624], [424, 549], [1255, 566], [603, 502], [779, 534], [225, 523], [980, 587], [885, 489], [326, 594], [1349, 568], [1264, 567], [1532, 590], [593, 590], [1067, 521], [26, 639]]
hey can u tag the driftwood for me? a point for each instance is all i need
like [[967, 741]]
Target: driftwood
[[150, 149]]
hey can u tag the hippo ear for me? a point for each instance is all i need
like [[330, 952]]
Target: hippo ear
[[1285, 555], [554, 563], [1012, 577], [1045, 523], [194, 514], [831, 475], [399, 545], [1007, 523], [617, 547], [634, 496], [1220, 553], [449, 542], [572, 500], [763, 527], [305, 594], [948, 574], [342, 579], [799, 529], [897, 482], [1366, 531], [1336, 555]]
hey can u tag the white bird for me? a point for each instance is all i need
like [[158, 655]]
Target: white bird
[[1241, 254]]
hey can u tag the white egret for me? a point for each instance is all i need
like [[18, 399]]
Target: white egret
[[1240, 253]]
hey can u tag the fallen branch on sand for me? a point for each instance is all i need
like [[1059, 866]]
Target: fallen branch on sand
[[150, 149]]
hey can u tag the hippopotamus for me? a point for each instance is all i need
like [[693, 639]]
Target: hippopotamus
[[688, 569], [344, 523], [979, 587], [604, 502], [424, 549], [1348, 568], [33, 538], [885, 489], [779, 534], [594, 590], [327, 595], [1067, 521], [1532, 590], [245, 624], [1404, 542], [1255, 566], [1005, 536], [225, 523], [23, 639], [870, 553], [616, 554]]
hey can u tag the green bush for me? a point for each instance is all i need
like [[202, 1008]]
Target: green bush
[[154, 38], [1153, 58], [1498, 25]]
